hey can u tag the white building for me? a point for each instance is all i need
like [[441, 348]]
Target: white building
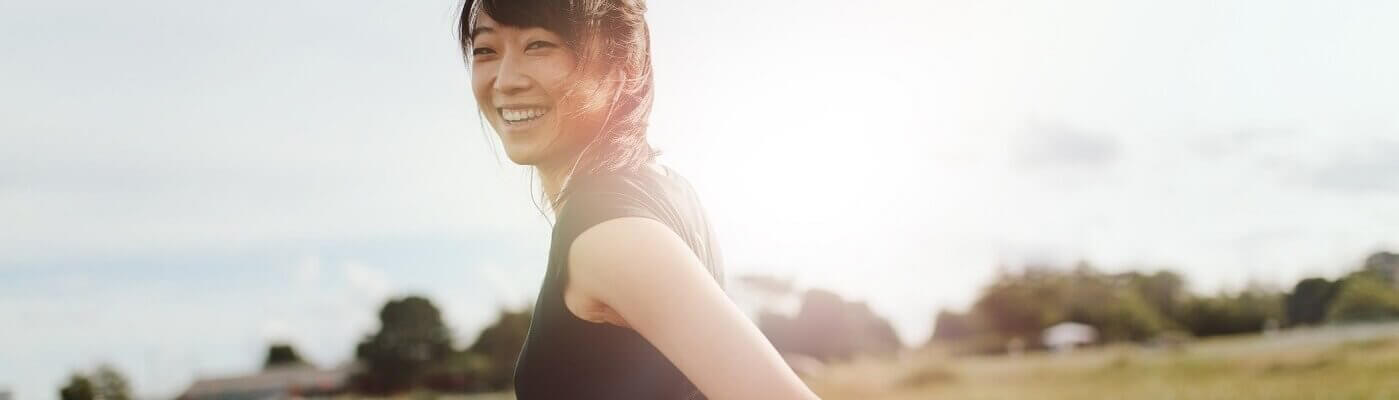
[[275, 383], [1065, 336]]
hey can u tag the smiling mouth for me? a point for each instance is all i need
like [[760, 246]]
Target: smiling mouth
[[521, 115]]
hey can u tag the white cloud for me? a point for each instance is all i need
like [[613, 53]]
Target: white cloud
[[308, 270]]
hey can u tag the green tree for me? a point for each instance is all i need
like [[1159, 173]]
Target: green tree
[[1127, 306], [1364, 298], [109, 384], [1163, 290], [824, 311], [845, 328], [1020, 305], [79, 387], [282, 354], [1225, 314], [411, 338], [1309, 300], [500, 343], [1119, 314], [1383, 266], [953, 326], [104, 383], [873, 334]]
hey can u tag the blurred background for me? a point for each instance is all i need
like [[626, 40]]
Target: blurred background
[[968, 199]]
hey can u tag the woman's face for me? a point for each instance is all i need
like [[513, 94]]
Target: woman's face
[[519, 76]]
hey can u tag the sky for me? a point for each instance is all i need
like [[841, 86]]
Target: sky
[[183, 182]]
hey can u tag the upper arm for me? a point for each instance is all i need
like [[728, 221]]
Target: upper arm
[[644, 272]]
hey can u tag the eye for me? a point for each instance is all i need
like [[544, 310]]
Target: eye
[[539, 44], [480, 51]]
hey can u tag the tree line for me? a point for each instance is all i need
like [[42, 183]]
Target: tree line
[[1149, 307], [414, 349]]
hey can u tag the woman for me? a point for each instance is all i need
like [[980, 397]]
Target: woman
[[632, 305]]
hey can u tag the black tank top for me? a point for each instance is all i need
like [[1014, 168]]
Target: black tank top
[[565, 357]]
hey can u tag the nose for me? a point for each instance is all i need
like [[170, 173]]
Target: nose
[[511, 78]]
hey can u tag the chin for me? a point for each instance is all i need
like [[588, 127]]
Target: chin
[[531, 152], [521, 151], [521, 157], [528, 155]]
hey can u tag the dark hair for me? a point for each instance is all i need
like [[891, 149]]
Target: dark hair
[[607, 37]]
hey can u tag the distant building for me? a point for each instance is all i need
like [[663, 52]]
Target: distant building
[[273, 384], [1065, 336]]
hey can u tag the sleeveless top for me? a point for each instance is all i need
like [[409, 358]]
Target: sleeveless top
[[565, 357]]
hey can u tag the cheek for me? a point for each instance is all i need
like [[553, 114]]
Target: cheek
[[555, 73], [481, 89]]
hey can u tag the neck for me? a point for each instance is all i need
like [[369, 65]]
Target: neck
[[551, 179], [552, 176]]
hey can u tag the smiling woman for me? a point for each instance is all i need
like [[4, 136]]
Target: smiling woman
[[632, 304], [520, 115], [546, 63]]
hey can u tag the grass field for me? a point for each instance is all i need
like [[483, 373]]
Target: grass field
[[1352, 362], [1348, 362]]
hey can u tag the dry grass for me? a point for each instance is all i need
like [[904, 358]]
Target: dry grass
[[1333, 363], [426, 395]]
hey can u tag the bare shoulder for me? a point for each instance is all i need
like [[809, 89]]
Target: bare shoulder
[[627, 259], [616, 241], [649, 277]]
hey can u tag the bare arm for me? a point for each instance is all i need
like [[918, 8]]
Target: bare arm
[[644, 272]]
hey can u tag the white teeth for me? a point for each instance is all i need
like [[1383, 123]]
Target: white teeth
[[518, 115]]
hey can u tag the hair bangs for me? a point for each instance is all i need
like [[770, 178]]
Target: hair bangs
[[546, 14]]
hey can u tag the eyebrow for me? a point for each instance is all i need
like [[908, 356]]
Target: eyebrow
[[480, 30]]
